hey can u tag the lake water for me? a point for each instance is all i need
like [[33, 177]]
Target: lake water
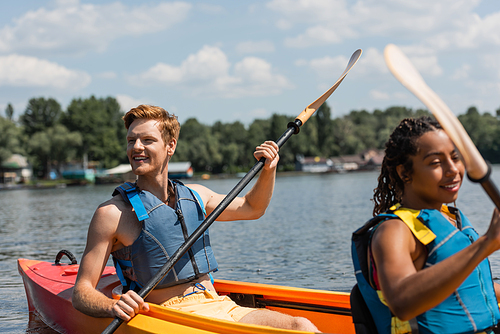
[[303, 240]]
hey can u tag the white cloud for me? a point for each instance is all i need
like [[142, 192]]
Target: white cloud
[[462, 72], [207, 64], [74, 27], [424, 59], [245, 115], [127, 102], [309, 11], [23, 71], [255, 47], [325, 21], [427, 65], [106, 75], [408, 18], [379, 95], [316, 35], [490, 28], [325, 66], [371, 63], [259, 113], [490, 63], [210, 9], [470, 33], [283, 24], [440, 25], [207, 73], [256, 78], [401, 95], [161, 72]]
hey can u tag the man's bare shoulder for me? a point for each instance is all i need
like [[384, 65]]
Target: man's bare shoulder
[[115, 208], [114, 219]]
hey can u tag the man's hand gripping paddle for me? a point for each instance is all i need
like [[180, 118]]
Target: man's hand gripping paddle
[[477, 169], [293, 128]]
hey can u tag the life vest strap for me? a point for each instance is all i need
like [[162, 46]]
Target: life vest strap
[[133, 196], [126, 283], [410, 218]]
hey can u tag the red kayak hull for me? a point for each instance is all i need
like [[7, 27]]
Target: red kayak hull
[[49, 288]]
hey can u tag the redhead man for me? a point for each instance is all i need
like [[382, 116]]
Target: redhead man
[[146, 221]]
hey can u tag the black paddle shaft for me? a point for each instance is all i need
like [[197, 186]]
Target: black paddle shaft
[[293, 128], [488, 186], [492, 191]]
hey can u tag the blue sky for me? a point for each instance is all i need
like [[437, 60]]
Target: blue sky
[[242, 60]]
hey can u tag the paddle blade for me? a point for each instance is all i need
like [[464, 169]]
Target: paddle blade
[[401, 67], [311, 109]]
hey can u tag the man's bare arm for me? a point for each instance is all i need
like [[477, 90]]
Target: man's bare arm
[[101, 236], [254, 204]]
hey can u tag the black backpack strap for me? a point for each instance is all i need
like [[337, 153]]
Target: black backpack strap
[[361, 316]]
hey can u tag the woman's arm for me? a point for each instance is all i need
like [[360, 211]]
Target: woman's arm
[[410, 291]]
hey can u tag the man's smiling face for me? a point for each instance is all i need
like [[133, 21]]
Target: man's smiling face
[[146, 150]]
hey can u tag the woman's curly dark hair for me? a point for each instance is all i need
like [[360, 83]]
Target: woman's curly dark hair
[[398, 149]]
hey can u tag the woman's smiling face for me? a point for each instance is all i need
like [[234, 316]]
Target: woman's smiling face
[[437, 173]]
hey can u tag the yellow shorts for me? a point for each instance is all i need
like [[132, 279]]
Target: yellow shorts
[[209, 304]]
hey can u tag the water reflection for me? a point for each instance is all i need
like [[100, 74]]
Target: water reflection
[[37, 326]]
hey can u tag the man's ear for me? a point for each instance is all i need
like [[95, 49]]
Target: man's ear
[[403, 173], [171, 146]]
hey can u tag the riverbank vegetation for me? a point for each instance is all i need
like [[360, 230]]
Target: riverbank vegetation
[[92, 128]]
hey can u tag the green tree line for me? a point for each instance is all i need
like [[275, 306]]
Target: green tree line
[[92, 127]]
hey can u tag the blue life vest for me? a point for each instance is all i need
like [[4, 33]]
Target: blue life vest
[[164, 230], [473, 306]]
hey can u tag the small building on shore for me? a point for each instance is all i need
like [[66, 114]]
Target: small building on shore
[[313, 164], [123, 173], [180, 170], [119, 174], [79, 176], [367, 160], [15, 170]]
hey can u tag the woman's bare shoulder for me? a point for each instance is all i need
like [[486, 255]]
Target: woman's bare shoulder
[[390, 230]]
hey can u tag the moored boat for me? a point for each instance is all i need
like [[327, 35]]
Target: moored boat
[[49, 287]]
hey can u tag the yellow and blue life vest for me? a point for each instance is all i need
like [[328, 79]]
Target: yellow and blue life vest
[[472, 308], [164, 230]]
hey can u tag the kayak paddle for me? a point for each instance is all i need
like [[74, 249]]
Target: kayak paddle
[[293, 128], [477, 169]]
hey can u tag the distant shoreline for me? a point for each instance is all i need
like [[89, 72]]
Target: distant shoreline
[[71, 183]]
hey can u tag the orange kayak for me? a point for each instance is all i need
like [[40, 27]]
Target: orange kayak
[[49, 288]]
